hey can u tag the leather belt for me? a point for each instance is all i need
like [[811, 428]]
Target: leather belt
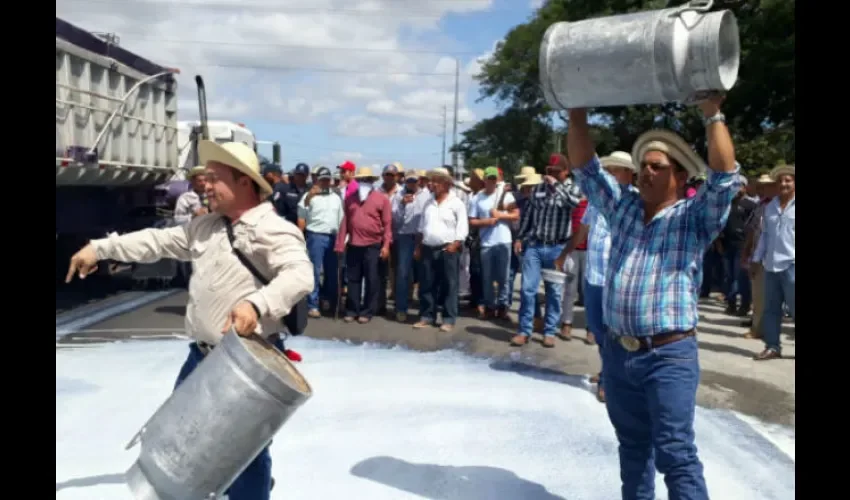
[[634, 344]]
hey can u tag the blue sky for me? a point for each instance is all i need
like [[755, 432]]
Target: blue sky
[[364, 80]]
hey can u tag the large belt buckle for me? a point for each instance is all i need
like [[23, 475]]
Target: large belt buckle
[[631, 344]]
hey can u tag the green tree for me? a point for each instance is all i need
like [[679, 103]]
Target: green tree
[[760, 108]]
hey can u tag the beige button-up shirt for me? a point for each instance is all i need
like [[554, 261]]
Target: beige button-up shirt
[[219, 280]]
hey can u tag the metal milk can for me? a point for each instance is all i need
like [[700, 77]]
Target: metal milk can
[[218, 420], [648, 57]]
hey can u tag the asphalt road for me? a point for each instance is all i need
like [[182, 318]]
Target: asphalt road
[[730, 378]]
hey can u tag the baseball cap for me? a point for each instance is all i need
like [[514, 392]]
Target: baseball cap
[[557, 160], [301, 168], [390, 169], [491, 172], [271, 168], [347, 166], [323, 173]]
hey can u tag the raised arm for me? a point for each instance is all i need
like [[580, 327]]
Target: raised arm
[[147, 245], [710, 206], [599, 186]]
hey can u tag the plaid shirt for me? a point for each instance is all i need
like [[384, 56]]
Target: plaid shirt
[[656, 268], [546, 218], [598, 244]]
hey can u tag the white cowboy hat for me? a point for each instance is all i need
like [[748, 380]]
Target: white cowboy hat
[[671, 144], [460, 185], [199, 170], [532, 180], [439, 172], [782, 170], [237, 156], [618, 159], [765, 179], [365, 173], [524, 172]]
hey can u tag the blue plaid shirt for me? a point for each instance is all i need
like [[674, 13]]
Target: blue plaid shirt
[[655, 269], [598, 244]]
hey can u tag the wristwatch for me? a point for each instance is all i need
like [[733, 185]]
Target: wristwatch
[[718, 117]]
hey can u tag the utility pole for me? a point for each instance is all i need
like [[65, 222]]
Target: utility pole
[[454, 126], [445, 111]]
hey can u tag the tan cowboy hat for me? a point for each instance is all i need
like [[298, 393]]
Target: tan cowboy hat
[[671, 144], [399, 166], [765, 179], [478, 172], [421, 173], [439, 172], [782, 170], [460, 185], [236, 155], [524, 172], [618, 159], [199, 170], [365, 173], [532, 180]]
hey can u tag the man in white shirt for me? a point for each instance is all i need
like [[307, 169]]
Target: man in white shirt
[[191, 204], [492, 210], [442, 230], [319, 216]]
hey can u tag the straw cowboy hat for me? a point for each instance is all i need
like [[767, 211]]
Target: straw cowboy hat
[[532, 180], [782, 170], [439, 173], [478, 172], [399, 166], [765, 179], [237, 156], [365, 173], [421, 173], [195, 171], [524, 172], [671, 144], [618, 159]]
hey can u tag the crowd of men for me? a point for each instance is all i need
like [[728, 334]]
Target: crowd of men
[[635, 237]]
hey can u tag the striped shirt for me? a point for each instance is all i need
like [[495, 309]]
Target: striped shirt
[[598, 244], [546, 215], [655, 269]]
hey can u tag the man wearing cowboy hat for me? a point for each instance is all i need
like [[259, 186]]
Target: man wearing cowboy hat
[[224, 294], [765, 190], [442, 230], [776, 251], [545, 229], [367, 224], [619, 164], [192, 203], [651, 362]]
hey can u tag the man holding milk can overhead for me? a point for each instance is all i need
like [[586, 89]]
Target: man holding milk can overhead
[[658, 237], [224, 293]]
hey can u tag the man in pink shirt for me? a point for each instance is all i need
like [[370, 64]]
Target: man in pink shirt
[[347, 182], [368, 224]]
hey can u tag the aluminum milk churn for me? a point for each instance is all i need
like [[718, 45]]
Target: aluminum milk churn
[[216, 422], [648, 57]]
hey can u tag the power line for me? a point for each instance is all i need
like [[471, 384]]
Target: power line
[[288, 46], [393, 12], [314, 70]]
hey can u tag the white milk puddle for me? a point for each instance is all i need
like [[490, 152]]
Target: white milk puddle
[[396, 424]]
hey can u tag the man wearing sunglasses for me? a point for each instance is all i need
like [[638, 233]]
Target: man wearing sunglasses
[[658, 237]]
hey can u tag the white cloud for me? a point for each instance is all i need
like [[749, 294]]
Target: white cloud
[[233, 44], [536, 4]]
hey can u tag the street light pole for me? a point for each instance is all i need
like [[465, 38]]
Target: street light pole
[[454, 126], [443, 162]]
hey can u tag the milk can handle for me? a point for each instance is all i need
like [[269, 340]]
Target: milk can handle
[[694, 5]]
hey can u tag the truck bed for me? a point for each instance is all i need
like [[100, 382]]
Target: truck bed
[[138, 147]]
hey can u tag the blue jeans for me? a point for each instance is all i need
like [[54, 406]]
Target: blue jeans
[[495, 266], [593, 316], [778, 288], [651, 400], [737, 279], [320, 249], [255, 482], [516, 265], [405, 244], [537, 257]]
